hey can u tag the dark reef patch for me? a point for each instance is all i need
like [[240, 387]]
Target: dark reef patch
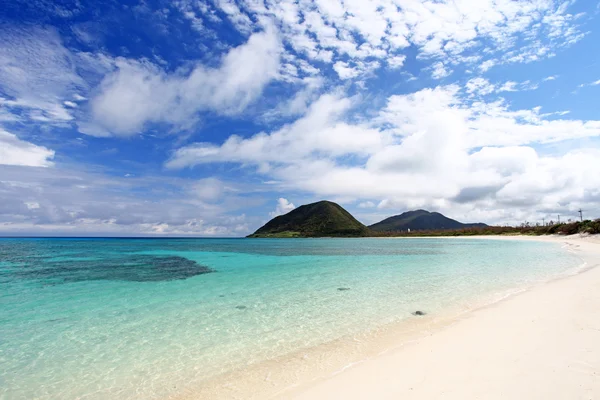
[[128, 267]]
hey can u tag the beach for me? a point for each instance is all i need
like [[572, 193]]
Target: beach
[[266, 200], [300, 318], [543, 343]]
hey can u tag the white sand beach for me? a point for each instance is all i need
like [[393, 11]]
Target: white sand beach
[[543, 343]]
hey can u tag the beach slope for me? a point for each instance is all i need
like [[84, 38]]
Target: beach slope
[[541, 344]]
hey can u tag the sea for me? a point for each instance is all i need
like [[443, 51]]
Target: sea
[[114, 318]]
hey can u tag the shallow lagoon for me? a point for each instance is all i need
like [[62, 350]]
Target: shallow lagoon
[[142, 318]]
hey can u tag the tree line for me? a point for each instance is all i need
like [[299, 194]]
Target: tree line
[[568, 228]]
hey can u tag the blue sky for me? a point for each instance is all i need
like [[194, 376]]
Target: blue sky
[[209, 117]]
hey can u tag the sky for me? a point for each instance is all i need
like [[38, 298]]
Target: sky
[[208, 118]]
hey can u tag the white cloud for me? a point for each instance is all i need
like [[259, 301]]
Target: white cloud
[[74, 201], [191, 10], [239, 19], [486, 65], [32, 205], [208, 189], [508, 86], [37, 71], [14, 151], [469, 149], [439, 71], [343, 33], [366, 204], [7, 116], [344, 71], [299, 103], [138, 93], [396, 62], [359, 68], [318, 132], [433, 148], [284, 206], [350, 38], [481, 87], [594, 83]]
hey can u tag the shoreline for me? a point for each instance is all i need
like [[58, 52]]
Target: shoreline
[[538, 343], [308, 372]]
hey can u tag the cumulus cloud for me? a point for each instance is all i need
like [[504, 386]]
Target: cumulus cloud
[[396, 62], [345, 71], [440, 71], [138, 93], [320, 131], [284, 206], [43, 82], [352, 39], [424, 149], [449, 148], [14, 151]]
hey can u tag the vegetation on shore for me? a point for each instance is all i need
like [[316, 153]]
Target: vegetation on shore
[[328, 219], [284, 234], [571, 228]]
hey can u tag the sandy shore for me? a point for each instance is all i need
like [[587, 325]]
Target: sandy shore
[[541, 344]]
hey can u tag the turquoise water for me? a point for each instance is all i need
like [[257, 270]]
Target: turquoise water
[[144, 318]]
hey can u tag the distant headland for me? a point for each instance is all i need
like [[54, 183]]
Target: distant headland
[[328, 219], [323, 218]]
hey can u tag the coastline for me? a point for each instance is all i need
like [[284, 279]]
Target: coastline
[[370, 366], [540, 343]]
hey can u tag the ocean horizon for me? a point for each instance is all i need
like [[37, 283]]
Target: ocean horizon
[[125, 318]]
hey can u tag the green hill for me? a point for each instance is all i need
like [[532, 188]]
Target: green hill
[[419, 220], [320, 219]]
